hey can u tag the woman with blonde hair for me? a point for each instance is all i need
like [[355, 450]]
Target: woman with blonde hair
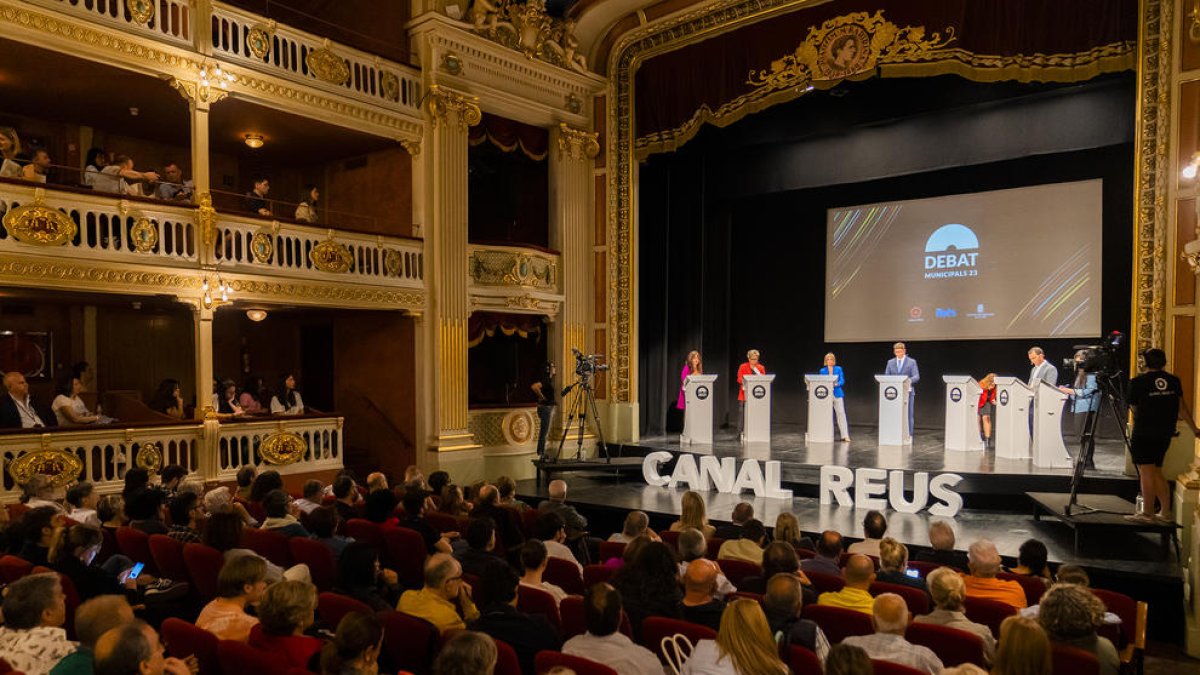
[[693, 514], [744, 645], [787, 530], [1024, 649], [948, 592], [693, 366], [10, 147], [893, 565], [987, 406], [839, 402]]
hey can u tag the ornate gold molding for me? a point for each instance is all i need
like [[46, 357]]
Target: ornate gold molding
[[262, 245], [149, 457], [283, 448], [144, 235], [442, 103], [576, 143], [60, 466], [332, 293], [412, 147], [206, 219], [39, 224], [526, 27], [327, 65], [141, 11], [331, 256], [194, 92], [495, 267], [259, 39]]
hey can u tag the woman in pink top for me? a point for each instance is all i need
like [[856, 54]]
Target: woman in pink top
[[693, 366], [241, 582]]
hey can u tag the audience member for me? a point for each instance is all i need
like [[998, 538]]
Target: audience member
[[859, 575], [345, 498], [782, 605], [893, 565], [742, 513], [415, 504], [466, 653], [355, 648], [603, 642], [551, 530], [324, 522], [143, 507], [168, 399], [575, 523], [445, 599], [437, 481], [948, 592], [254, 398], [135, 649], [277, 506], [10, 150], [941, 538], [223, 531], [110, 510], [39, 491], [1071, 574], [310, 498], [1032, 560], [453, 503], [376, 480], [225, 401], [37, 528], [220, 500], [93, 619], [171, 478], [499, 617], [743, 645], [780, 558], [38, 168], [508, 530], [68, 408], [1070, 615], [18, 410], [306, 210], [287, 610], [874, 527], [1024, 649], [480, 553], [693, 514], [649, 584], [889, 616], [245, 481], [32, 639], [379, 507], [787, 530], [82, 499], [121, 178], [984, 562], [700, 604], [847, 659], [286, 400], [637, 524], [749, 546], [174, 188], [360, 576], [263, 484], [97, 159], [829, 551], [691, 546], [74, 556], [185, 510], [256, 198], [534, 560], [241, 583], [507, 488]]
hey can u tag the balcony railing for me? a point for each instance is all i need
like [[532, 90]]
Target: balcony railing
[[524, 267], [167, 20], [239, 444]]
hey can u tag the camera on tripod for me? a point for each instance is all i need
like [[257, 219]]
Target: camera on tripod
[[586, 364], [1100, 359]]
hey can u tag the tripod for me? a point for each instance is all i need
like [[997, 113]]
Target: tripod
[[583, 403], [1109, 390]]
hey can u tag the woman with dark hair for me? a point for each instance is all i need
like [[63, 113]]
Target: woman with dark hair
[[354, 650], [254, 393], [1032, 559], [136, 478], [286, 400], [40, 532], [227, 400], [67, 406], [97, 159], [306, 210], [74, 557], [223, 531], [167, 399], [452, 501], [649, 584], [360, 576], [264, 483]]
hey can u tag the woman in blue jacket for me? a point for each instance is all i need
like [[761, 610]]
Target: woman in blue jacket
[[1084, 392], [839, 405]]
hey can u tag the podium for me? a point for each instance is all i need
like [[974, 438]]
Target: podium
[[1048, 449], [962, 413], [820, 408], [697, 415], [893, 409], [1014, 400], [757, 427]]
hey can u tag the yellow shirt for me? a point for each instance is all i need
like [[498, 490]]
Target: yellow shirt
[[848, 598], [741, 549], [437, 610]]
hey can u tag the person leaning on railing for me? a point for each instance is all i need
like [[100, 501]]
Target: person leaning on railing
[[174, 188], [306, 210], [121, 178], [38, 167], [10, 148]]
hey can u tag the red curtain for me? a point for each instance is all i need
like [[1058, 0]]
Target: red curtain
[[510, 136], [485, 324]]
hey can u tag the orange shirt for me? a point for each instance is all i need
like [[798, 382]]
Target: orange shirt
[[1008, 592]]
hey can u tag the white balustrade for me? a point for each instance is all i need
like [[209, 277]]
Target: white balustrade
[[171, 20], [373, 259], [369, 77], [238, 445], [106, 227]]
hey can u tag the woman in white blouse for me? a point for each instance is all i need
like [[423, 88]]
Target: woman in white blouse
[[287, 400], [744, 645], [68, 407]]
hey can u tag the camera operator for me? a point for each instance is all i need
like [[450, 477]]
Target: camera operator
[[1085, 399], [1155, 398], [544, 389]]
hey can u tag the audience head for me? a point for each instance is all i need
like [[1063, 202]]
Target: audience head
[[35, 600], [889, 614], [1024, 648], [443, 575], [355, 647], [746, 638], [312, 490], [133, 648], [40, 486], [343, 487], [691, 544], [481, 534], [97, 157], [533, 555], [262, 184], [275, 504], [487, 495], [123, 161], [287, 608], [859, 571], [144, 504], [82, 495], [452, 499], [245, 476], [1154, 359], [244, 576], [37, 525], [171, 475], [218, 500], [830, 544], [437, 481], [558, 490], [1073, 574], [1033, 556], [15, 384], [779, 558], [787, 528], [467, 653], [983, 558], [40, 158], [376, 480], [635, 524], [183, 508], [941, 536], [654, 561], [264, 483], [81, 542], [498, 586], [166, 396], [358, 565], [844, 659], [700, 580], [136, 478], [754, 531], [602, 610], [99, 615], [634, 547], [874, 525], [506, 487], [742, 512], [1069, 611], [66, 386], [110, 508], [893, 556], [549, 526], [323, 521], [784, 594], [947, 588], [379, 505], [692, 510], [10, 143], [414, 502], [223, 531], [172, 172]]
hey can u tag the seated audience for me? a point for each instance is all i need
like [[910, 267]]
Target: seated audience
[[69, 409], [859, 575], [466, 653], [1071, 574], [360, 576], [174, 188], [306, 210], [39, 491], [604, 642], [782, 605], [948, 592], [893, 563], [110, 510], [97, 159], [38, 167], [437, 481], [874, 527], [287, 610], [889, 616], [75, 555], [286, 400], [376, 481], [693, 514], [508, 530], [220, 500], [941, 538], [699, 604], [637, 524], [649, 584], [551, 530], [780, 558], [277, 506], [18, 410], [787, 530], [507, 488], [354, 649], [136, 478], [1023, 649], [324, 522], [744, 645], [37, 528], [310, 499], [225, 401], [379, 507], [575, 523], [254, 398], [984, 562], [445, 599], [171, 478], [345, 498], [120, 178], [1070, 615], [143, 507], [499, 617], [256, 198], [185, 509], [135, 649], [82, 499], [263, 484], [241, 582], [452, 502], [245, 482], [32, 639], [742, 513], [846, 659], [168, 399], [415, 504], [748, 547], [223, 531], [93, 619], [692, 546], [534, 560], [1032, 560], [10, 150], [480, 553]]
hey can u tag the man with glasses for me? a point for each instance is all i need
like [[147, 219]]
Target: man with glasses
[[445, 600], [135, 649]]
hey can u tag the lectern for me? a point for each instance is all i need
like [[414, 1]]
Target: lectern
[[697, 416], [893, 409], [1014, 399], [758, 408], [1048, 449], [820, 408], [962, 413]]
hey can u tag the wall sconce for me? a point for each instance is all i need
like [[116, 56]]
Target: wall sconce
[[218, 76], [215, 296], [256, 315], [254, 141]]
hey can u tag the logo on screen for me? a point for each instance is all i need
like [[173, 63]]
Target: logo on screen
[[951, 252], [758, 391], [821, 392], [701, 392], [890, 393], [956, 394], [945, 312]]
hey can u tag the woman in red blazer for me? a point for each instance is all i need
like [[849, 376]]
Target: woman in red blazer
[[750, 367]]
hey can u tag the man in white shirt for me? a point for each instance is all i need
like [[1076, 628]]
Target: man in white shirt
[[1042, 369], [311, 499], [603, 643], [32, 640], [551, 529], [874, 527], [533, 560], [17, 410], [889, 615]]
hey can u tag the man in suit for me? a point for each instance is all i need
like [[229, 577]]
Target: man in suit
[[905, 365], [17, 408], [1042, 369]]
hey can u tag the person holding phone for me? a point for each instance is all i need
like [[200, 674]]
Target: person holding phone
[[893, 565]]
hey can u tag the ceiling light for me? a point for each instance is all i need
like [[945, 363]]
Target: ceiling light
[[254, 141], [256, 315]]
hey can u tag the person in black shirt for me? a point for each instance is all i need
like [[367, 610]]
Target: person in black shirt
[[545, 391], [479, 555], [699, 604], [1154, 396], [414, 519], [499, 617]]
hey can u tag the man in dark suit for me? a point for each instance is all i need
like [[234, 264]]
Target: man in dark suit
[[903, 364], [508, 527], [18, 409]]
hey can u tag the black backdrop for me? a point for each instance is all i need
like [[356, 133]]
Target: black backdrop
[[723, 268]]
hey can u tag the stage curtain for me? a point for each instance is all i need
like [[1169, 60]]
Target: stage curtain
[[724, 78], [508, 196], [511, 136], [506, 355], [486, 324]]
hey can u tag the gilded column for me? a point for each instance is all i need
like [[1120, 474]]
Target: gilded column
[[202, 324], [444, 160]]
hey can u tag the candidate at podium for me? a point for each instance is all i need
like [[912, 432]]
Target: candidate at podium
[[750, 367], [839, 404], [693, 366], [1042, 369], [904, 364], [987, 406]]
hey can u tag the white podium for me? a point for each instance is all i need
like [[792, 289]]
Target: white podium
[[1014, 400], [758, 408], [820, 408], [893, 409], [697, 416], [1048, 449], [962, 413]]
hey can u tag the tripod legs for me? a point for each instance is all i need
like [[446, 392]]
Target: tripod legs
[[583, 404]]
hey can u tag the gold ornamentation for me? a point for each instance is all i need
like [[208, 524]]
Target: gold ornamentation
[[518, 427], [206, 219], [262, 247], [442, 102], [330, 256], [497, 267], [141, 11], [61, 466], [149, 457], [526, 301], [390, 83], [413, 147], [526, 27], [260, 39], [283, 447], [199, 93], [327, 66], [144, 235], [39, 224], [577, 143], [393, 262]]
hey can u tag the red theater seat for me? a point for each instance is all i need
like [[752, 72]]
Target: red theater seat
[[1073, 661], [611, 549], [1034, 587], [135, 545], [839, 623], [332, 607], [168, 556], [546, 660], [990, 613], [953, 646], [825, 583], [271, 545], [404, 551], [506, 660], [803, 661], [13, 568], [364, 530], [236, 657], [319, 559], [564, 574], [890, 668], [916, 599], [739, 570], [597, 574], [409, 643], [203, 565], [671, 539], [184, 639], [655, 628], [573, 621], [534, 601]]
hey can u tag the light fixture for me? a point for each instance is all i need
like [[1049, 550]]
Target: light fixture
[[256, 315], [209, 76], [215, 296], [254, 141], [1190, 169]]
